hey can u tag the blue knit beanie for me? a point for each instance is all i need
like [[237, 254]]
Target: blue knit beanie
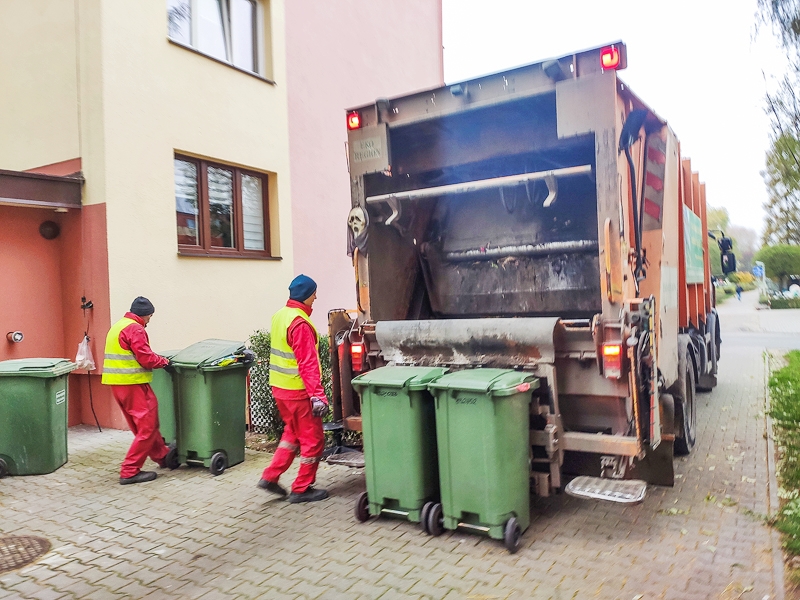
[[301, 288]]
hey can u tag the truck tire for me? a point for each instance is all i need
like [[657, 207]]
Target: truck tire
[[708, 381], [685, 405]]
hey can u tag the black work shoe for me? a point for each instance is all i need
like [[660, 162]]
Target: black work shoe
[[310, 495], [271, 486], [171, 459], [140, 477]]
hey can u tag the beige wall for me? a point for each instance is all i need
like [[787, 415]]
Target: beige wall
[[38, 89], [142, 99], [343, 54]]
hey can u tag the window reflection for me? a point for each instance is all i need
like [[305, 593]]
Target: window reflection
[[179, 20], [210, 31], [186, 202], [243, 18], [252, 213], [220, 204]]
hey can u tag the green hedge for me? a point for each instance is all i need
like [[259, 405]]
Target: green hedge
[[784, 302], [784, 387]]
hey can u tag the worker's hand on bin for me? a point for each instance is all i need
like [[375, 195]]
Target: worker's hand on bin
[[319, 408], [170, 367], [248, 356]]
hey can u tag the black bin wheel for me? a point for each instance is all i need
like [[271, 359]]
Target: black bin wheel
[[3, 468], [512, 534], [435, 520], [173, 461], [423, 516], [219, 462], [362, 507]]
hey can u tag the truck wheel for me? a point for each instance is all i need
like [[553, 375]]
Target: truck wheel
[[708, 381], [685, 405]]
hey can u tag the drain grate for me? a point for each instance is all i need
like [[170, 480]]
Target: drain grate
[[18, 551]]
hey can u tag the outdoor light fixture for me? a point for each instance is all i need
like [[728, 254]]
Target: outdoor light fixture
[[15, 337]]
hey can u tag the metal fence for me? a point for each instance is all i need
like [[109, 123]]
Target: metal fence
[[263, 414], [264, 417]]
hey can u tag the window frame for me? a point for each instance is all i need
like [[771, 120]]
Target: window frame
[[204, 248]]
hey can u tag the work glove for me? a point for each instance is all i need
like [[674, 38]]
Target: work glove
[[170, 367], [319, 408], [248, 356]]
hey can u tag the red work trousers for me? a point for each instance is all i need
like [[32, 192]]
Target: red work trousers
[[140, 407], [302, 432]]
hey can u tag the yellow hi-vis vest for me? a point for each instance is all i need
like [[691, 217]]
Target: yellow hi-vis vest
[[119, 365], [283, 372]]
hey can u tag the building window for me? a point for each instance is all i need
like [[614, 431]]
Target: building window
[[223, 29], [221, 210]]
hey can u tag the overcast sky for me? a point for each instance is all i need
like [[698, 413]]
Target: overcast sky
[[696, 63]]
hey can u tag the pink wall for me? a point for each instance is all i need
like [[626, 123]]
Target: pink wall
[[340, 55], [43, 282]]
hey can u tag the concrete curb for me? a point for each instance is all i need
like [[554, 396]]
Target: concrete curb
[[778, 574]]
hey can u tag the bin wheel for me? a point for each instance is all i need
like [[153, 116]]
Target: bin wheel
[[512, 535], [3, 468], [423, 516], [172, 459], [435, 520], [362, 507], [219, 462]]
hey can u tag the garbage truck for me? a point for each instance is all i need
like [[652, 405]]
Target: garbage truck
[[542, 219]]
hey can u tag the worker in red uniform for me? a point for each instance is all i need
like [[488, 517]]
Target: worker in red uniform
[[128, 368], [295, 375]]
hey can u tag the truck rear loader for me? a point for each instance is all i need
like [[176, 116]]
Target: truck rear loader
[[540, 219]]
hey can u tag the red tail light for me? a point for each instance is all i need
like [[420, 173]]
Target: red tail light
[[353, 120], [357, 356], [612, 361], [610, 57]]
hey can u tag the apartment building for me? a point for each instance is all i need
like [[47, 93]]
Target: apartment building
[[154, 151]]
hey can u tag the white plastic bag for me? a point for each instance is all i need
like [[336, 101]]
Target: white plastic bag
[[84, 358]]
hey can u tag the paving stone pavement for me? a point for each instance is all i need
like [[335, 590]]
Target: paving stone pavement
[[191, 535]]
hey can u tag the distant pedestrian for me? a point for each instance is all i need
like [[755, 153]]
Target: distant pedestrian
[[295, 376], [739, 290], [128, 369]]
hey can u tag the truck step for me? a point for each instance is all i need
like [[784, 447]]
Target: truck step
[[626, 491]]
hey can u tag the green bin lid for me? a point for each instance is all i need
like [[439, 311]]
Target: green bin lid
[[496, 382], [168, 353], [204, 354], [415, 378], [36, 367]]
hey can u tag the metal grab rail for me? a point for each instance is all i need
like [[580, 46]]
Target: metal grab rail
[[480, 184]]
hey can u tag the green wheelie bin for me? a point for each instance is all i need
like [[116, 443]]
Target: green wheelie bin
[[210, 399], [163, 388], [399, 442], [34, 412], [483, 437]]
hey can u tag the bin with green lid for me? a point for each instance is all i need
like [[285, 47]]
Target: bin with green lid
[[33, 415], [210, 398], [163, 388], [399, 442], [482, 432]]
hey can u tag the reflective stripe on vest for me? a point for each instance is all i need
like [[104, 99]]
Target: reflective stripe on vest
[[119, 365], [283, 372]]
